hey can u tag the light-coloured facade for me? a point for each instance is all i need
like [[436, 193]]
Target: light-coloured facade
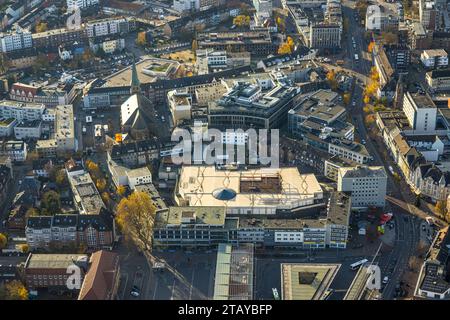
[[82, 4], [180, 105], [259, 191], [21, 111], [65, 128], [437, 58], [367, 185], [15, 41], [28, 130], [421, 112]]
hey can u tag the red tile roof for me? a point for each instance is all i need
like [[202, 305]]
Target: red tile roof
[[100, 280]]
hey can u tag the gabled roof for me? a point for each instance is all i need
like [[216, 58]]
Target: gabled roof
[[99, 281], [101, 222]]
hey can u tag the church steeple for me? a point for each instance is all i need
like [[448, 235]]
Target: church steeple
[[135, 86]]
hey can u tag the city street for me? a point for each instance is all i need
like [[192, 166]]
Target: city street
[[186, 276]]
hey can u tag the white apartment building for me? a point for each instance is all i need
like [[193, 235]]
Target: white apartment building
[[436, 58], [21, 111], [180, 105], [28, 130], [113, 45], [349, 150], [427, 14], [263, 5], [82, 4], [138, 177], [106, 27], [421, 112], [186, 5], [367, 185], [378, 18], [65, 129], [15, 41], [16, 150]]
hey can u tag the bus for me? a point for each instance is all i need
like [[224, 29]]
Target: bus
[[275, 294], [356, 265]]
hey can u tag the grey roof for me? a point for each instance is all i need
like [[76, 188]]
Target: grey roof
[[43, 222], [432, 281]]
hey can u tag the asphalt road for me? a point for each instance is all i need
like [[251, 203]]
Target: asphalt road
[[407, 226]]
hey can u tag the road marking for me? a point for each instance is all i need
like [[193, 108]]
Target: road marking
[[192, 284], [173, 289], [125, 285], [156, 287]]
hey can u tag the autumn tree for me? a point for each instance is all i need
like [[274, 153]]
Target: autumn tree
[[141, 38], [241, 20], [135, 218], [93, 169], [3, 63], [87, 56], [331, 78], [14, 290], [33, 155], [3, 241], [281, 24], [121, 190], [346, 97], [441, 207], [194, 46], [50, 203], [414, 263], [286, 47], [421, 248], [41, 27], [61, 178], [105, 197], [101, 184], [371, 46], [25, 248], [32, 212]]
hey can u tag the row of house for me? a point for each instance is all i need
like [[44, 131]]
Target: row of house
[[67, 231]]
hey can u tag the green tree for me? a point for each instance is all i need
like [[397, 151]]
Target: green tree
[[50, 203], [61, 178]]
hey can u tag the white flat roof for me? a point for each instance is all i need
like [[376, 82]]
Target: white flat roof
[[197, 184]]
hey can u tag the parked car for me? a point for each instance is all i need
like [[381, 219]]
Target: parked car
[[135, 291]]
